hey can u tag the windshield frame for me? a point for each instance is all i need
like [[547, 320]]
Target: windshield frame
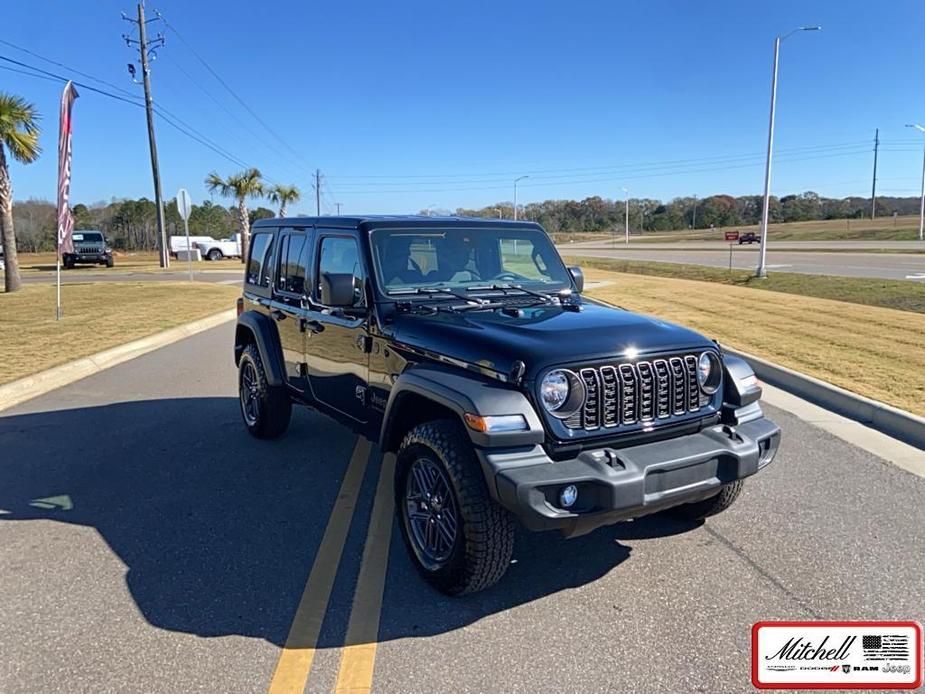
[[405, 293]]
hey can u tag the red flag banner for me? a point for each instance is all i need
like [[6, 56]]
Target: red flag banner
[[65, 218]]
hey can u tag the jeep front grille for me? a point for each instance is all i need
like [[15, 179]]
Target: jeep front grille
[[638, 392]]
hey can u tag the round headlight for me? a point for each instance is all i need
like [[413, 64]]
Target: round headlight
[[561, 393], [709, 372]]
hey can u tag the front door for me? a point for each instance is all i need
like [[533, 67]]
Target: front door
[[286, 306], [338, 337]]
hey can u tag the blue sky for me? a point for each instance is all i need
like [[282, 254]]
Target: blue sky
[[406, 105]]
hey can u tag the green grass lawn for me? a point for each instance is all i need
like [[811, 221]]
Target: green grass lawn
[[895, 294], [97, 316]]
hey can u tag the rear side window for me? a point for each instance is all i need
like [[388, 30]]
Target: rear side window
[[292, 264], [258, 269]]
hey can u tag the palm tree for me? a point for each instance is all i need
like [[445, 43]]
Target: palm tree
[[19, 133], [283, 195], [240, 186]]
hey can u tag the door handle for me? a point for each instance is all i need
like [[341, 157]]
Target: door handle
[[277, 315]]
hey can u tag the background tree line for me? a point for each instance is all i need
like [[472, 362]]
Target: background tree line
[[129, 225], [600, 214]]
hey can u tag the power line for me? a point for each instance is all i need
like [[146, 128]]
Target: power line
[[229, 89], [66, 67], [82, 85]]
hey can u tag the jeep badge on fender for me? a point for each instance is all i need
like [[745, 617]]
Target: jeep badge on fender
[[466, 347]]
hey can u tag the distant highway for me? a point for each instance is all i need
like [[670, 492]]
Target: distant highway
[[812, 257]]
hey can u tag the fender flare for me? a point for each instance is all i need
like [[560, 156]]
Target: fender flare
[[462, 393], [267, 340]]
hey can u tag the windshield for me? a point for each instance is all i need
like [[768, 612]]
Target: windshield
[[91, 236], [461, 258]]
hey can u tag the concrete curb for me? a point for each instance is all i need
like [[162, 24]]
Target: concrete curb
[[37, 384], [890, 420]]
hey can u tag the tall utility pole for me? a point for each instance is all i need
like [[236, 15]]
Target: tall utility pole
[[873, 189], [921, 129], [338, 208], [519, 178], [694, 215], [761, 271], [318, 192], [143, 49], [626, 210]]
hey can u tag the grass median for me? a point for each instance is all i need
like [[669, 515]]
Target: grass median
[[868, 350], [33, 263], [97, 316], [902, 295]]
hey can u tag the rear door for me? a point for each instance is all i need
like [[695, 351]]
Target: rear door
[[337, 348], [287, 305]]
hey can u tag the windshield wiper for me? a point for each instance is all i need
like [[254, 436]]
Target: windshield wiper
[[505, 288], [431, 291]]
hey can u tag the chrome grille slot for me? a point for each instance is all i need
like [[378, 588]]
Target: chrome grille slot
[[638, 392], [591, 409], [678, 386], [693, 391], [662, 389], [646, 391], [610, 392], [629, 386]]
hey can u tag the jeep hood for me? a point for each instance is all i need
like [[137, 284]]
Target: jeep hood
[[542, 336]]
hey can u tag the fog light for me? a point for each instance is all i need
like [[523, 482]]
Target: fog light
[[568, 496]]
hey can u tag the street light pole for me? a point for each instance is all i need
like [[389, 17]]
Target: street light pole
[[626, 210], [762, 252], [922, 203], [519, 178]]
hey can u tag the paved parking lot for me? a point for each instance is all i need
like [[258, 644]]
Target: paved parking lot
[[148, 544]]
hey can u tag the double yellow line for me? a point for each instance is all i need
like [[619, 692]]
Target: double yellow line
[[355, 673]]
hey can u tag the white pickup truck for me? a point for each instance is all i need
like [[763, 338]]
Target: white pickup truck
[[213, 249], [178, 243]]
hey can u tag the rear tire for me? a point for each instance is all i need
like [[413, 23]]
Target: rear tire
[[438, 453], [266, 410], [215, 254], [699, 510]]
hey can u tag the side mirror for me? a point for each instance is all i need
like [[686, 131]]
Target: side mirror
[[339, 289], [578, 277]]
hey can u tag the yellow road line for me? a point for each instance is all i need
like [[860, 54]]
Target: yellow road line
[[359, 654], [296, 658]]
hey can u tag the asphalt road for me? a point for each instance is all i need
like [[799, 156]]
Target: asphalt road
[[785, 257], [148, 544]]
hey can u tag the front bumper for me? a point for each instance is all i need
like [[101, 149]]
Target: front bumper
[[88, 257], [618, 484]]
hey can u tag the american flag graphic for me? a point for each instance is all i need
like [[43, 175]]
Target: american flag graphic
[[885, 647]]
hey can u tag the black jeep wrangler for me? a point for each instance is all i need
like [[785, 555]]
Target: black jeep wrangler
[[89, 247], [465, 346]]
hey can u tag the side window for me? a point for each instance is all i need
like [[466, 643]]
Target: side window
[[341, 255], [258, 270], [291, 273]]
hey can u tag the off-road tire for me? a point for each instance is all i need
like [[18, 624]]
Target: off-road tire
[[274, 408], [110, 262], [705, 508], [485, 537]]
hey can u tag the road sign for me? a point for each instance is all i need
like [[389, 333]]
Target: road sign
[[732, 235], [184, 204]]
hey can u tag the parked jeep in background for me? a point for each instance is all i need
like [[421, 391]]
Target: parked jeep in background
[[90, 247], [749, 237], [465, 346]]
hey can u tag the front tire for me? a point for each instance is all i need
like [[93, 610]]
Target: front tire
[[700, 510], [266, 411], [459, 538]]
